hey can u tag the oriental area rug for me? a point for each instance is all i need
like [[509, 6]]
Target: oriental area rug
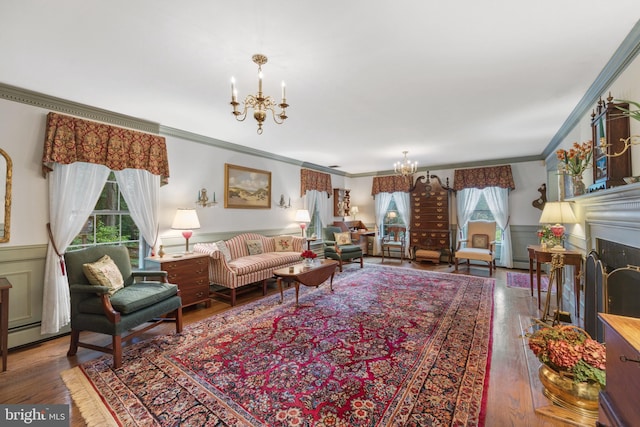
[[522, 280], [390, 346]]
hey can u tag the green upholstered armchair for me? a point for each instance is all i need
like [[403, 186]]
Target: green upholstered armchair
[[138, 302], [340, 252]]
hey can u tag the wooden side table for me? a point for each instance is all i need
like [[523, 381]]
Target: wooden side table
[[4, 320], [308, 276], [540, 256]]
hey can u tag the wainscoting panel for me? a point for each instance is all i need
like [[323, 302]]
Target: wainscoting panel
[[23, 266]]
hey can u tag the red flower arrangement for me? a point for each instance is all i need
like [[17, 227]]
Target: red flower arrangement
[[308, 254], [570, 351]]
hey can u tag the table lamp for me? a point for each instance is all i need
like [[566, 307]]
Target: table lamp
[[354, 211], [302, 216], [187, 220], [558, 213]]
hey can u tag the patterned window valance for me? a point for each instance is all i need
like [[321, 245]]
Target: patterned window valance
[[69, 139], [494, 176], [314, 180], [390, 184]]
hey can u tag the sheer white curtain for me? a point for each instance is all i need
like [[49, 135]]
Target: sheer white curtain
[[498, 200], [402, 203], [141, 191], [317, 200], [324, 209], [466, 202], [382, 204], [73, 193]]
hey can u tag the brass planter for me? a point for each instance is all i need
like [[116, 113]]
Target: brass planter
[[581, 398]]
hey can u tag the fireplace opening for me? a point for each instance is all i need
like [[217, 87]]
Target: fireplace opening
[[612, 284]]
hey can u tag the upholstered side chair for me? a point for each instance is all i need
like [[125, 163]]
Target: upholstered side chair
[[338, 246], [145, 297], [479, 246]]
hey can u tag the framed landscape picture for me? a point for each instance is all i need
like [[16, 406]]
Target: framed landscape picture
[[246, 188]]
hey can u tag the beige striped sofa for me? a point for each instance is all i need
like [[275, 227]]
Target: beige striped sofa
[[239, 269]]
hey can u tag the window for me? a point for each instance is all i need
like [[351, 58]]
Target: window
[[110, 223], [392, 216], [482, 212]]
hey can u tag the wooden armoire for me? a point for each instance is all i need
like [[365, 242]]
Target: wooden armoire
[[430, 235]]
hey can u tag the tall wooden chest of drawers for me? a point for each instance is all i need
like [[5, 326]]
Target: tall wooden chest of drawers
[[619, 400], [430, 216], [190, 272]]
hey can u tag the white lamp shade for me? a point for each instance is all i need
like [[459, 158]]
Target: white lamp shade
[[558, 213], [302, 215], [185, 219], [354, 210]]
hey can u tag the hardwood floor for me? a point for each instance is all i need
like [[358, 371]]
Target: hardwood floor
[[33, 374]]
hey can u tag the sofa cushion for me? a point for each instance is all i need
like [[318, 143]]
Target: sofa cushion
[[132, 298], [264, 261], [104, 272], [254, 247], [480, 241], [284, 243], [222, 247], [343, 238]]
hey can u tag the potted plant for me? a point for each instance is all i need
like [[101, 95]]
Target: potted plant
[[308, 256], [573, 366]]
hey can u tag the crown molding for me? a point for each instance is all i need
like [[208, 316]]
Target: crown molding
[[620, 60], [36, 99]]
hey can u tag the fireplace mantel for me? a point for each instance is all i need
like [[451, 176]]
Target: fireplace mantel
[[612, 214]]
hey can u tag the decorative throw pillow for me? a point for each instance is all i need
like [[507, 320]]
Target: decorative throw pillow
[[222, 247], [480, 241], [254, 247], [284, 243], [343, 238], [104, 272]]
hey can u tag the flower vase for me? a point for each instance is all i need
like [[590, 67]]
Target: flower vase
[[308, 262], [578, 185]]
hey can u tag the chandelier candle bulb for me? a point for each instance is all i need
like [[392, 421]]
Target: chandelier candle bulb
[[284, 92], [234, 93]]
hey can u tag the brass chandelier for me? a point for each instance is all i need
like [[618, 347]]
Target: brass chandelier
[[259, 103], [405, 167]]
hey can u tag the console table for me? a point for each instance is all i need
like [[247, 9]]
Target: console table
[[4, 320], [540, 256]]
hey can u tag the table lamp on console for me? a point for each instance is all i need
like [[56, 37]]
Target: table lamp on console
[[186, 219], [556, 214]]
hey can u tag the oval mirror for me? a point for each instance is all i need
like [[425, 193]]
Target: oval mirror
[[5, 194]]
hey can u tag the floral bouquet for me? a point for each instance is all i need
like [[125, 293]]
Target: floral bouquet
[[308, 254], [570, 351], [551, 234], [577, 159]]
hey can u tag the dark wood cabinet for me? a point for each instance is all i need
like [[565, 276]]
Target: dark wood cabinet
[[430, 216], [610, 126], [190, 272], [618, 401]]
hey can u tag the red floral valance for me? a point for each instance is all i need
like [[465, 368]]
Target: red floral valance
[[494, 176], [70, 139], [314, 180], [390, 184]]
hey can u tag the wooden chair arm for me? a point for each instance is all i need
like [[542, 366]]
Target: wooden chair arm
[[112, 315]]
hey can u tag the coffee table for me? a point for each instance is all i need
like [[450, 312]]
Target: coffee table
[[308, 276]]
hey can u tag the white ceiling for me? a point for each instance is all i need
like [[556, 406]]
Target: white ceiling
[[450, 82]]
